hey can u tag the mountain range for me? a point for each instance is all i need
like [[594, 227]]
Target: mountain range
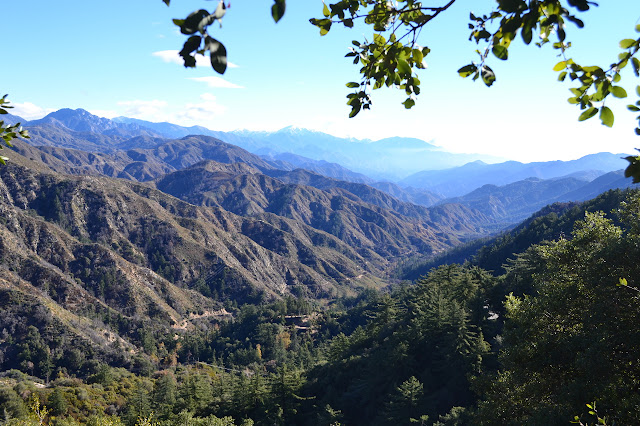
[[290, 148], [109, 227]]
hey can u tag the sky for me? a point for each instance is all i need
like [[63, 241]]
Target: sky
[[119, 58]]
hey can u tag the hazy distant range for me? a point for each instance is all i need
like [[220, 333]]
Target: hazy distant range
[[393, 159], [408, 162]]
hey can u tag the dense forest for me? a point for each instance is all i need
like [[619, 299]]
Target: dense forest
[[548, 327]]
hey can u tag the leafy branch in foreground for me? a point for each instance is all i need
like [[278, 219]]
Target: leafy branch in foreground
[[389, 59], [200, 42], [394, 53], [9, 132]]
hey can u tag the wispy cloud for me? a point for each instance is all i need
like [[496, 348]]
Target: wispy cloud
[[172, 56], [216, 82], [144, 110], [202, 112], [29, 111]]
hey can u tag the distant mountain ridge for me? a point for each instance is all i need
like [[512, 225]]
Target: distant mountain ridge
[[80, 120], [461, 180], [140, 150], [385, 159], [389, 158]]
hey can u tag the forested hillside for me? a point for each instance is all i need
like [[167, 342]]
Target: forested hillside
[[459, 346]]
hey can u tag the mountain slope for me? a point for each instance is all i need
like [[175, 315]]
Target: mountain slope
[[549, 223], [181, 242], [367, 228], [516, 201], [611, 180]]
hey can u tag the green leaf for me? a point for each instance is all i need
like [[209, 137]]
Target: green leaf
[[379, 40], [488, 76], [323, 24], [618, 92], [623, 282], [277, 10], [353, 85], [590, 112], [409, 103], [418, 57], [500, 52], [633, 169], [527, 34], [606, 116], [633, 108], [636, 66], [355, 109], [217, 54], [560, 66], [562, 76], [592, 69], [190, 45], [190, 24], [166, 2], [576, 21], [627, 43], [638, 90], [403, 67], [467, 70], [325, 10], [189, 61]]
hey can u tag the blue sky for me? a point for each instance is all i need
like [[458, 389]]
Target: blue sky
[[115, 58]]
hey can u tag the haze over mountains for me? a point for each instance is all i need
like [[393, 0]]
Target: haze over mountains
[[414, 164]]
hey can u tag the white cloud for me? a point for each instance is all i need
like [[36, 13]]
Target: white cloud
[[201, 113], [29, 111], [172, 56], [144, 110], [216, 82], [204, 112]]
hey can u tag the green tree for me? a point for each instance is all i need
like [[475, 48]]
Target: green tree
[[138, 403], [195, 392], [164, 394], [35, 355], [11, 405], [57, 403], [575, 338], [285, 391], [404, 402]]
